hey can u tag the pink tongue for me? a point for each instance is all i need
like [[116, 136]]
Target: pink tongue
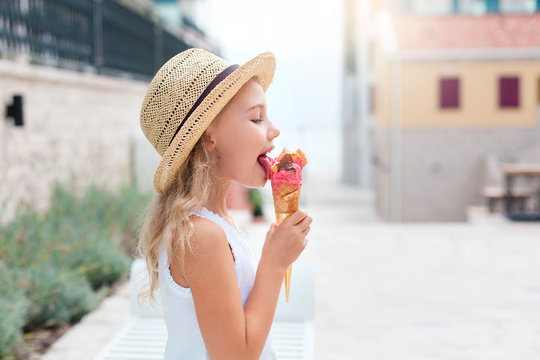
[[266, 163]]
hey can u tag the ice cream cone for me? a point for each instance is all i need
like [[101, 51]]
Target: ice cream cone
[[286, 193], [280, 216], [279, 219]]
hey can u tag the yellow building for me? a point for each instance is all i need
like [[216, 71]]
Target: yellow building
[[448, 91]]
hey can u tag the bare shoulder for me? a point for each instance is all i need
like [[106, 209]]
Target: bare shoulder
[[207, 245], [207, 234], [209, 241], [210, 257]]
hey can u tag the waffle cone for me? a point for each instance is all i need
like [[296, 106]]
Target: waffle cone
[[286, 201]]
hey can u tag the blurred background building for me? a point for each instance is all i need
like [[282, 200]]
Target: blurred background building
[[418, 101], [122, 43], [455, 85], [73, 77], [357, 122]]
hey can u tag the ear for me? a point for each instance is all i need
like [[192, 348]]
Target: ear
[[209, 140]]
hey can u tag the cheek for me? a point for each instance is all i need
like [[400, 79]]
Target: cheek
[[240, 147], [247, 138], [234, 154]]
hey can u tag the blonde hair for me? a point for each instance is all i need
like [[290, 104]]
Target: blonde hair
[[166, 222]]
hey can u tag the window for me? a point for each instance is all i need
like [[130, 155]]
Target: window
[[508, 92], [472, 6], [455, 6], [449, 93], [432, 7], [492, 6], [517, 6]]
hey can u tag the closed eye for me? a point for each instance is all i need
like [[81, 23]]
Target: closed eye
[[257, 121]]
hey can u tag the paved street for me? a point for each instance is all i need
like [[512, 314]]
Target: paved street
[[398, 291], [420, 291]]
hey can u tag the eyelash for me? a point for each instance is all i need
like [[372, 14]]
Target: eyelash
[[257, 121]]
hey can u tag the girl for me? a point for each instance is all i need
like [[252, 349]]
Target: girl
[[207, 119]]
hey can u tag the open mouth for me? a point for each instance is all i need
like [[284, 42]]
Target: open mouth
[[266, 163]]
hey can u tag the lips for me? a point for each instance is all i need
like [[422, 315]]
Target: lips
[[266, 163]]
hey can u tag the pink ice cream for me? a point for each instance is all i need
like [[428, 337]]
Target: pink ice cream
[[287, 169], [291, 174]]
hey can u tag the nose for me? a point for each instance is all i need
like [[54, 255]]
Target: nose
[[273, 131]]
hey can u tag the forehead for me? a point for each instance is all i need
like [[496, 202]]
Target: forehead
[[250, 95]]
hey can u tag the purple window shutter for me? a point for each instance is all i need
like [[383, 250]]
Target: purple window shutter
[[449, 93], [508, 92]]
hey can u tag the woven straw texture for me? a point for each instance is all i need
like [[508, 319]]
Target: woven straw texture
[[174, 90]]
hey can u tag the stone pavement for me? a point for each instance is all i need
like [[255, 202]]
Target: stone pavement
[[393, 291], [419, 291]]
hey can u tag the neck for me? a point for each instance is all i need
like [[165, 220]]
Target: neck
[[218, 202]]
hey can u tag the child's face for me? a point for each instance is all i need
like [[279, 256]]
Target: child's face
[[239, 134]]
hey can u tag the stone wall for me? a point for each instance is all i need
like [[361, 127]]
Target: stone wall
[[78, 130], [443, 170]]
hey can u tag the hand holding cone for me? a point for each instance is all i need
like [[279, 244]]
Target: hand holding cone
[[286, 179]]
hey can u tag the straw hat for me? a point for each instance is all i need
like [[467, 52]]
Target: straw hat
[[185, 96]]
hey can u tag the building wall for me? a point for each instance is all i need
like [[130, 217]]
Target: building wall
[[479, 97], [382, 87], [443, 169], [382, 172], [78, 130], [382, 91], [351, 87], [443, 151], [439, 167], [357, 169], [442, 7]]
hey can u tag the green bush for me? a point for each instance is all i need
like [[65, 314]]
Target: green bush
[[256, 200], [102, 262], [56, 266], [57, 295], [13, 307]]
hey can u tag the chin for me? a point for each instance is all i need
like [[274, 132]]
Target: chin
[[254, 184], [256, 180]]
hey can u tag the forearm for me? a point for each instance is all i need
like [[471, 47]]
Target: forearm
[[261, 305]]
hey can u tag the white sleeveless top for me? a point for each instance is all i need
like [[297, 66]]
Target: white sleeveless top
[[184, 336]]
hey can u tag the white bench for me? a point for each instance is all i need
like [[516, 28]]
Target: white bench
[[144, 335]]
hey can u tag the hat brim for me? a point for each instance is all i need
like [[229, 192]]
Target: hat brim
[[262, 66]]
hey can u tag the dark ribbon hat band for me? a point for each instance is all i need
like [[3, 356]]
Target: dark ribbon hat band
[[205, 93]]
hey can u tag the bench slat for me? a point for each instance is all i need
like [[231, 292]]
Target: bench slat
[[144, 337], [288, 340]]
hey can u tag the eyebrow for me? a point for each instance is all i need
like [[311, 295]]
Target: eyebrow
[[256, 106]]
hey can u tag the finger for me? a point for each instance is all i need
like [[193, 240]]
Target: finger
[[306, 230], [295, 218], [305, 222]]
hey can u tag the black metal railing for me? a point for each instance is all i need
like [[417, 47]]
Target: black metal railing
[[102, 34]]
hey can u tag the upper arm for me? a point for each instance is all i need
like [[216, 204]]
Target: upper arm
[[210, 272]]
